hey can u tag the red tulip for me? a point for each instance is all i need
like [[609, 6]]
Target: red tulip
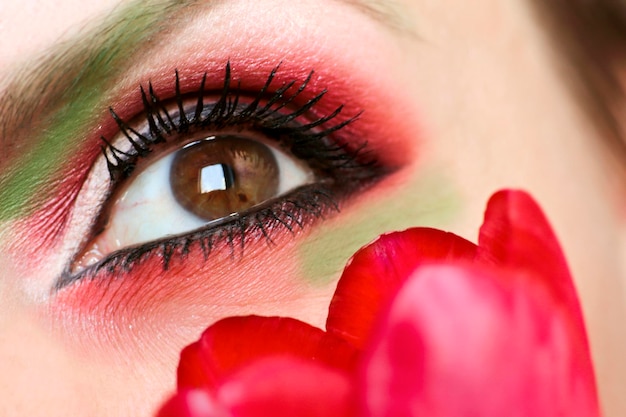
[[423, 323], [266, 388], [236, 341], [377, 271]]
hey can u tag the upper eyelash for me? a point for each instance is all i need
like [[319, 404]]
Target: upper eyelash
[[266, 113], [268, 118]]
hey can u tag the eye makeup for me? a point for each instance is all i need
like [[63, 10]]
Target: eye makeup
[[285, 114], [206, 270]]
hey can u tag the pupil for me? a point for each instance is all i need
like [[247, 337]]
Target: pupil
[[218, 176]]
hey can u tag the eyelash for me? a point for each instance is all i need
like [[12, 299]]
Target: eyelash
[[347, 167], [266, 119]]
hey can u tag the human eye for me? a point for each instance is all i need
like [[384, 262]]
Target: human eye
[[333, 140], [219, 167]]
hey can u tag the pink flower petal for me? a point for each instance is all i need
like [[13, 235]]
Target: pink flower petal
[[378, 270], [471, 341], [281, 386], [236, 341], [192, 403], [517, 234]]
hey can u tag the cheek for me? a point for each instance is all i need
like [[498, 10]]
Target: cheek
[[418, 195], [168, 309], [129, 329]]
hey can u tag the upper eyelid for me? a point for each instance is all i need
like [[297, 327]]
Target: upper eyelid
[[278, 103], [131, 102]]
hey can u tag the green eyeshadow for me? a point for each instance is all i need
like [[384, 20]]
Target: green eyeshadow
[[73, 82], [435, 203]]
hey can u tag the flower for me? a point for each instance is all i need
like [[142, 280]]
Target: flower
[[422, 323]]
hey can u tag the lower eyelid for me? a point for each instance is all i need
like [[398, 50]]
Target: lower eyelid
[[119, 312], [289, 214]]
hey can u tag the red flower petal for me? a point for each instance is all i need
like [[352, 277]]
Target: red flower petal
[[516, 233], [192, 403], [282, 386], [377, 271], [470, 341], [194, 368], [230, 343], [269, 387]]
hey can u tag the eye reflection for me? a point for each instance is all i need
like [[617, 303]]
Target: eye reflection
[[205, 181], [215, 177]]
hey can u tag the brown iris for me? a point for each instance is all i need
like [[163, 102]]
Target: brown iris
[[218, 176]]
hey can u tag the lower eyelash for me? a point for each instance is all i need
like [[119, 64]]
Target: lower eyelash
[[291, 212]]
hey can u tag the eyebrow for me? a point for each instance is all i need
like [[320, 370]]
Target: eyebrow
[[62, 93]]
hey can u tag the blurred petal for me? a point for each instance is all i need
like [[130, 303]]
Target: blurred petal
[[236, 341], [517, 234], [192, 403], [377, 271], [281, 386], [470, 341]]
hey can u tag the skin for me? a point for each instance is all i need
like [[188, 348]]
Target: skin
[[72, 101], [460, 101]]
